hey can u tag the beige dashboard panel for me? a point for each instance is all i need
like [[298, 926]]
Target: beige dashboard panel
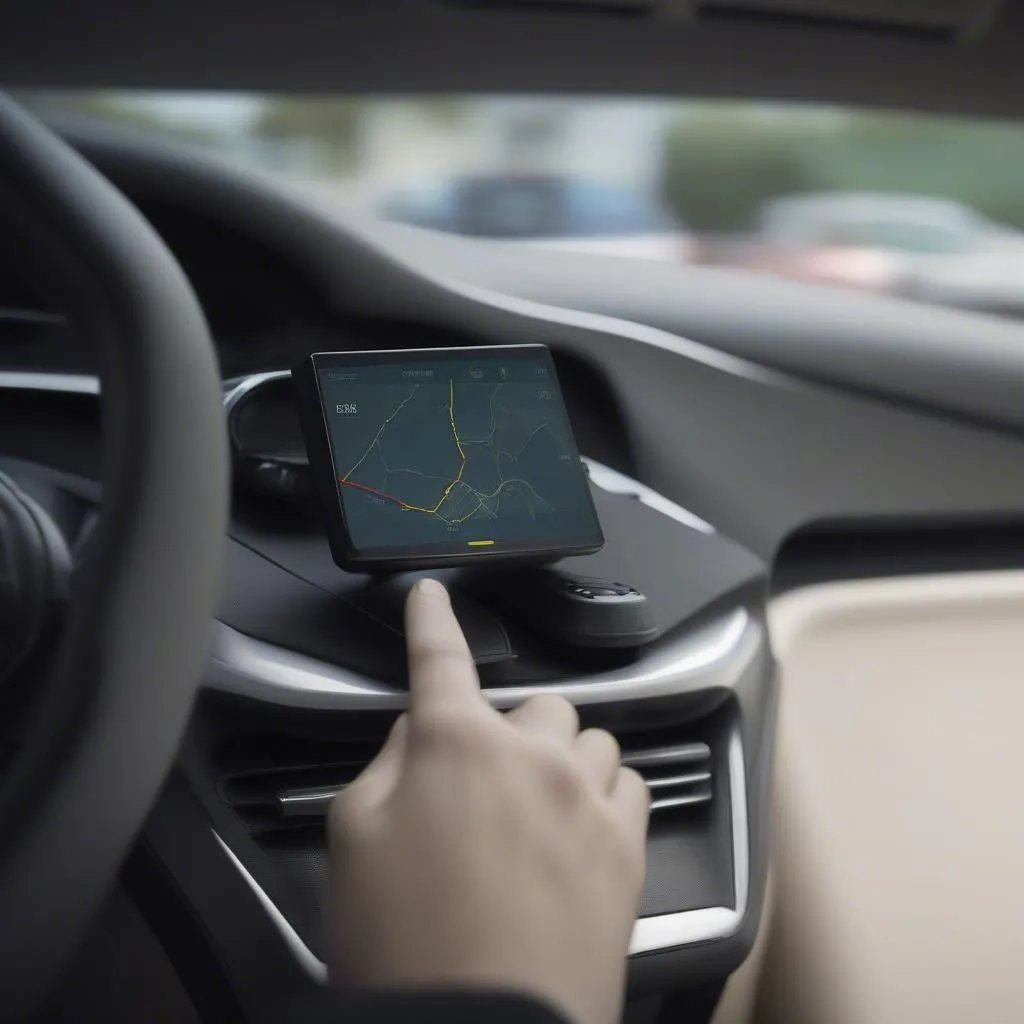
[[898, 845]]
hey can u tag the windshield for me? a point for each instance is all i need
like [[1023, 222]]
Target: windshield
[[917, 206]]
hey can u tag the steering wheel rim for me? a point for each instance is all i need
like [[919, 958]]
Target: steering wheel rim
[[119, 686]]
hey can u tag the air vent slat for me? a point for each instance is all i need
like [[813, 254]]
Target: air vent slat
[[678, 776], [683, 800], [304, 803], [685, 753], [274, 788], [261, 772], [679, 780]]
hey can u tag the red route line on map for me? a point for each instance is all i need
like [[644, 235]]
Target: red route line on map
[[372, 490]]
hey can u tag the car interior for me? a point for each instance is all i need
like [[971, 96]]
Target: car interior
[[819, 491]]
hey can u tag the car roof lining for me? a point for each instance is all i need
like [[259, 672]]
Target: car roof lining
[[417, 46]]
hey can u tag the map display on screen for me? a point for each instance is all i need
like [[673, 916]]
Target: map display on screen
[[467, 451]]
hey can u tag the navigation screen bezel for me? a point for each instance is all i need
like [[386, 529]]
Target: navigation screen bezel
[[397, 558]]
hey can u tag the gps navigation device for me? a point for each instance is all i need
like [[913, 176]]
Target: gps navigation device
[[439, 457]]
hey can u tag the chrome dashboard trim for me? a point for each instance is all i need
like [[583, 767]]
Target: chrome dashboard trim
[[713, 656], [65, 383], [307, 960], [243, 385], [650, 934]]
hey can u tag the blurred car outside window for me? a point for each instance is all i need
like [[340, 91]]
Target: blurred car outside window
[[547, 210]]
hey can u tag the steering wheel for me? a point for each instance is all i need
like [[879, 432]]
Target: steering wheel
[[99, 662]]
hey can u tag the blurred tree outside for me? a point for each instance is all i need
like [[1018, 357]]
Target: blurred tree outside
[[448, 113], [721, 161], [331, 131], [334, 127]]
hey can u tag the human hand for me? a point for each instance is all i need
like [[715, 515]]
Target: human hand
[[485, 850]]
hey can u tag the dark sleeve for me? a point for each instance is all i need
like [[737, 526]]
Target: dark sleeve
[[452, 1007]]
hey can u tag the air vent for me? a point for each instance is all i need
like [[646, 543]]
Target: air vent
[[277, 785], [677, 776]]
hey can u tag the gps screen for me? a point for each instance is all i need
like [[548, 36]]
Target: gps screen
[[454, 451]]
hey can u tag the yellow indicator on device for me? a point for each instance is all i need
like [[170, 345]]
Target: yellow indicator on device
[[480, 543]]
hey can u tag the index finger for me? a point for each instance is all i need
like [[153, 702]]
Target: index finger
[[441, 668]]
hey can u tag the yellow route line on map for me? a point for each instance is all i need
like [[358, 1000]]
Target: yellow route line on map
[[462, 455]]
